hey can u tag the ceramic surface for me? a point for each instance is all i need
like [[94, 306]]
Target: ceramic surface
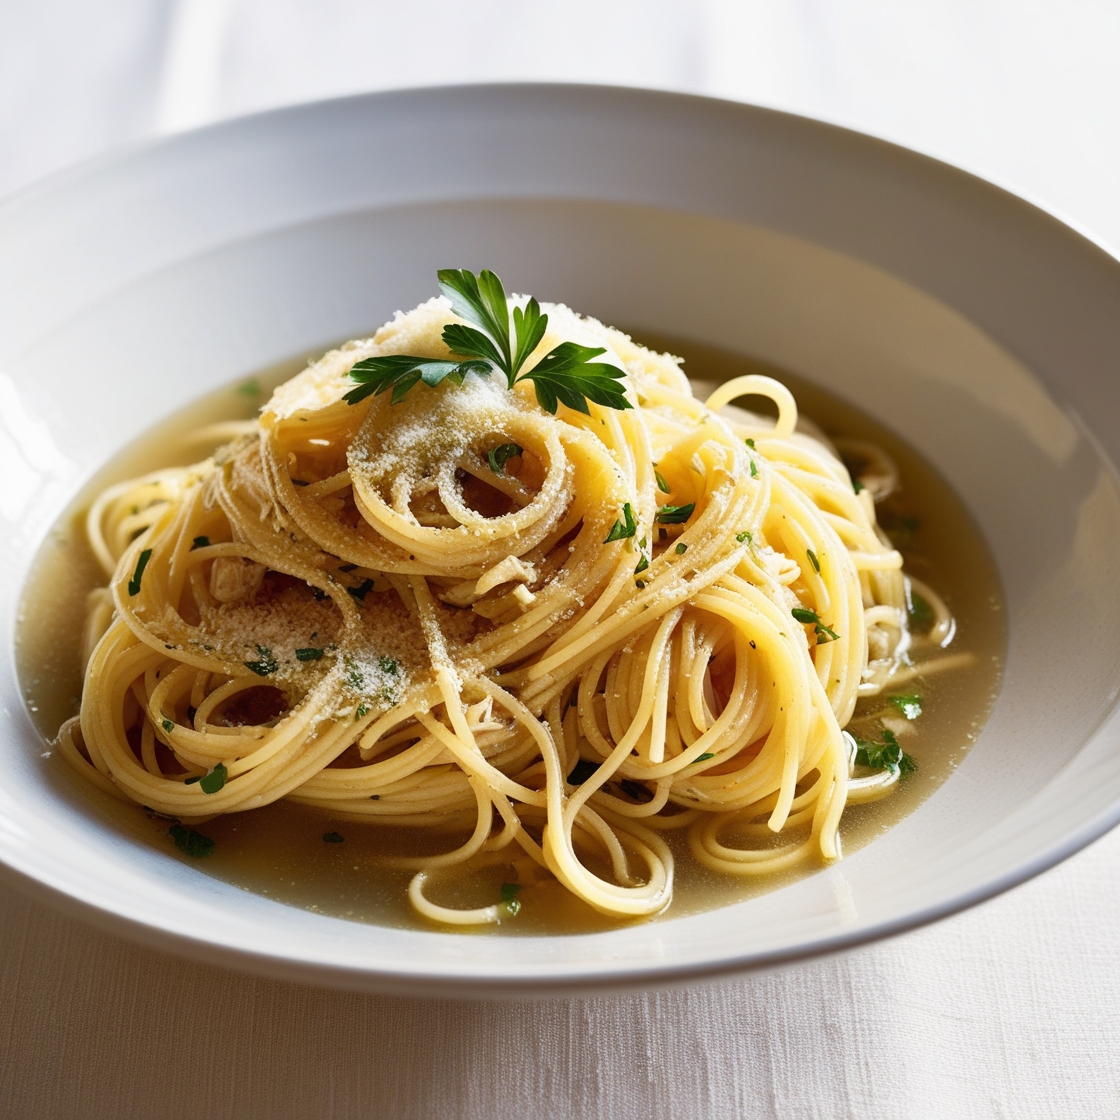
[[978, 327]]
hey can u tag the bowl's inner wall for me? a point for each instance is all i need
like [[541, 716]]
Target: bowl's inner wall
[[1046, 501]]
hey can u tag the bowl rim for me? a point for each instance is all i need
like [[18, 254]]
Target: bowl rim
[[575, 981]]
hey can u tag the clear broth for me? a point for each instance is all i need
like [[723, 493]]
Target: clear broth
[[279, 851]]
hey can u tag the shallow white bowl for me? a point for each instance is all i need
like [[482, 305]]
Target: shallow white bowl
[[978, 327]]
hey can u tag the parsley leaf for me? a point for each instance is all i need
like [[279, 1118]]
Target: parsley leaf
[[920, 613], [168, 725], [191, 843], [621, 530], [565, 374], [675, 515], [754, 470], [510, 902], [857, 486], [266, 666], [703, 757], [400, 372], [682, 548], [662, 485], [214, 780], [200, 542], [138, 575], [887, 755], [362, 590], [745, 535], [909, 706], [825, 634], [308, 653], [500, 455], [813, 560]]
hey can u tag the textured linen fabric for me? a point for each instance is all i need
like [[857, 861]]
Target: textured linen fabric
[[1010, 1010]]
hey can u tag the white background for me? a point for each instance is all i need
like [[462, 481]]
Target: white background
[[1011, 1010]]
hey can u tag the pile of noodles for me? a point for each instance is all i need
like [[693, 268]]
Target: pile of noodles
[[349, 607]]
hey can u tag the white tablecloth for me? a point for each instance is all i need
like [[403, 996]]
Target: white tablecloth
[[1010, 1010]]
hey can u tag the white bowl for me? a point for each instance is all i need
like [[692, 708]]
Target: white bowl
[[984, 331]]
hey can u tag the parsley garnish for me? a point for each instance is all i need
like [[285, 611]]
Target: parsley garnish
[[745, 535], [754, 470], [675, 515], [387, 664], [620, 530], [500, 455], [168, 725], [813, 560], [908, 706], [510, 902], [200, 542], [702, 758], [662, 485], [920, 612], [214, 780], [191, 843], [332, 838], [887, 755], [682, 548], [857, 486], [362, 590], [360, 712], [565, 374], [266, 666], [138, 575], [308, 653], [250, 388], [750, 443], [642, 564], [824, 633]]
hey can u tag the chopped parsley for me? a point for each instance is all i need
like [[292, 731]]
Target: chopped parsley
[[675, 515], [754, 470], [308, 653], [920, 612], [266, 666], [662, 485], [500, 455], [857, 486], [387, 664], [191, 843], [908, 706], [682, 548], [813, 560], [168, 725], [625, 528], [362, 590], [200, 542], [566, 374], [251, 388], [510, 903], [887, 755], [750, 444], [138, 575], [332, 838], [360, 712], [745, 535], [703, 758], [824, 633], [642, 564], [214, 780]]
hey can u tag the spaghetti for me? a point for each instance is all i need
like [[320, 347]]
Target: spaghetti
[[560, 636]]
